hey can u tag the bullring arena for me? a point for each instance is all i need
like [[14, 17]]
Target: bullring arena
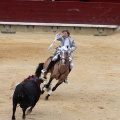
[[28, 27], [93, 92]]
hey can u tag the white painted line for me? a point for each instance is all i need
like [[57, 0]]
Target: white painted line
[[59, 24]]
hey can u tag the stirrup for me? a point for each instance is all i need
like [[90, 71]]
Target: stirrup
[[44, 70], [66, 81]]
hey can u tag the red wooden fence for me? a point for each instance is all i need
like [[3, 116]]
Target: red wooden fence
[[60, 12]]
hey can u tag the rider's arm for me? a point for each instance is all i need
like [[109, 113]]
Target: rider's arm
[[59, 37], [73, 48]]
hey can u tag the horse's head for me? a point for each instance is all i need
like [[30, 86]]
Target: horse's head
[[64, 55]]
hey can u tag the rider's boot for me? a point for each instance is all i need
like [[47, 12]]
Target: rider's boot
[[66, 80], [45, 70]]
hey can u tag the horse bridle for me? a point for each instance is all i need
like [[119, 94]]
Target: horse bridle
[[63, 57]]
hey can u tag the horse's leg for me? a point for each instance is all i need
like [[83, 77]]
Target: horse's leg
[[44, 88], [53, 89], [14, 109], [45, 80], [49, 83], [48, 86]]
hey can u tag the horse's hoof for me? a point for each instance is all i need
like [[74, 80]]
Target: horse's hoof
[[46, 98]]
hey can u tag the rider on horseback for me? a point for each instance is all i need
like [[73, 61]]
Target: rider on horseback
[[68, 42]]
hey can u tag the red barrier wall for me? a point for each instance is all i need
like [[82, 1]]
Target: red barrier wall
[[113, 1], [109, 1], [60, 12]]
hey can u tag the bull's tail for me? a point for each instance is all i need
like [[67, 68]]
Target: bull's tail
[[38, 70]]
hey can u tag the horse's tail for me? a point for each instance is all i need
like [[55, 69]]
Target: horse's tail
[[38, 70]]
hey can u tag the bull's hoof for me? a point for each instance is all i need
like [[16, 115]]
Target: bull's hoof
[[13, 118], [23, 117]]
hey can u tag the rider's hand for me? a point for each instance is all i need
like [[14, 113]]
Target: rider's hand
[[69, 51], [58, 34]]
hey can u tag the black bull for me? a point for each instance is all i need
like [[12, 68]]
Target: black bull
[[27, 94]]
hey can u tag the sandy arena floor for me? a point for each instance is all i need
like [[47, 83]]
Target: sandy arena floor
[[93, 92]]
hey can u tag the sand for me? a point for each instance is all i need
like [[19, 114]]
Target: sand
[[93, 92]]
